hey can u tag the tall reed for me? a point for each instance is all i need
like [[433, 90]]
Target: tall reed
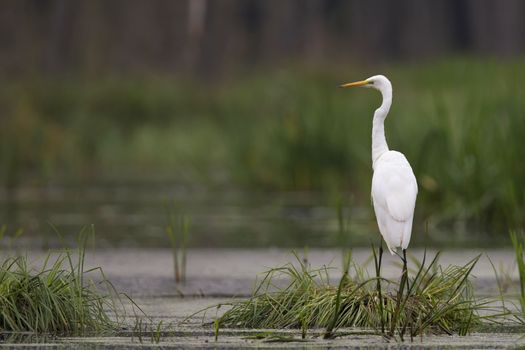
[[178, 231]]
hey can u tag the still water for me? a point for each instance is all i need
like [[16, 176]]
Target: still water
[[135, 214]]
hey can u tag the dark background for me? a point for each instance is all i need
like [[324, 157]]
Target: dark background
[[204, 38], [228, 110]]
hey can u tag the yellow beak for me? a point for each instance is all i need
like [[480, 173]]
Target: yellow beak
[[357, 83]]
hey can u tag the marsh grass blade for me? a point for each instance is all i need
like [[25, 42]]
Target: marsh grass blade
[[346, 267], [518, 241], [178, 232]]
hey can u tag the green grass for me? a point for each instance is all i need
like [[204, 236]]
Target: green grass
[[178, 231], [459, 121], [518, 242], [436, 300], [61, 297]]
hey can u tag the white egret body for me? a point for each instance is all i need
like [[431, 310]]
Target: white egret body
[[394, 186]]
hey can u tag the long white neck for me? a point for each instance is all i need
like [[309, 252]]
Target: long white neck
[[379, 145]]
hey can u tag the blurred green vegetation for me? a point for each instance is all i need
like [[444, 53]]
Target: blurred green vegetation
[[459, 122]]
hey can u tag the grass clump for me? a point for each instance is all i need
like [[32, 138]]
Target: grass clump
[[178, 231], [436, 300], [59, 298]]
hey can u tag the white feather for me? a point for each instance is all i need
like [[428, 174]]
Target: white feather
[[394, 192]]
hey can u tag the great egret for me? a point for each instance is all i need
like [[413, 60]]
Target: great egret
[[394, 186]]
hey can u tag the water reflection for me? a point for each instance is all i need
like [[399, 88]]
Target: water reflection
[[25, 338], [135, 214]]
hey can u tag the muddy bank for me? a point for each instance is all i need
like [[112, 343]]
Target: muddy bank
[[233, 272]]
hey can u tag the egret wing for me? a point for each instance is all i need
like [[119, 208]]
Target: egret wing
[[394, 186], [394, 192]]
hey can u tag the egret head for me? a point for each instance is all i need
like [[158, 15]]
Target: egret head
[[378, 82]]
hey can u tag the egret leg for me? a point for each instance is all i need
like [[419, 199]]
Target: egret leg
[[405, 272], [380, 253], [405, 269], [379, 295], [400, 292]]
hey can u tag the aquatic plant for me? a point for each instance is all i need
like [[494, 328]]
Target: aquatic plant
[[437, 300], [518, 242], [145, 327], [61, 297], [178, 231]]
